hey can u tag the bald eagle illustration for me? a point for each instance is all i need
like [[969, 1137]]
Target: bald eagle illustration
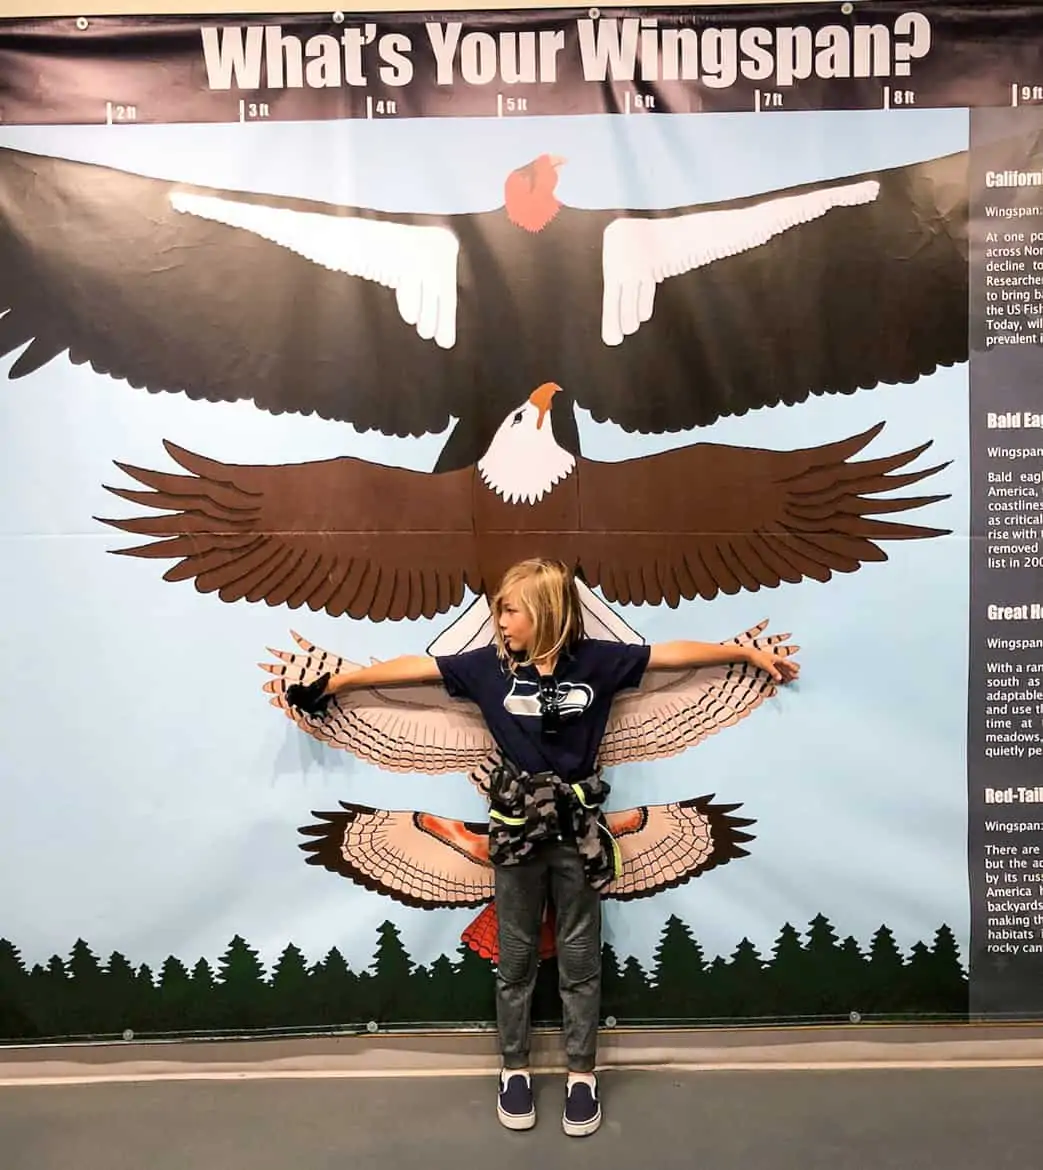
[[352, 537]]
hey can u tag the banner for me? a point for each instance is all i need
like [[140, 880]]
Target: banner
[[734, 310]]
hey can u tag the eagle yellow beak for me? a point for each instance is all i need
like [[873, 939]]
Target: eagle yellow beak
[[541, 398]]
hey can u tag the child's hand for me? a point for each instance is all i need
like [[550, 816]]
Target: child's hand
[[781, 668], [311, 697]]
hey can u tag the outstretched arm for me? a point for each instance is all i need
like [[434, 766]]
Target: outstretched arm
[[315, 697], [401, 671], [678, 655]]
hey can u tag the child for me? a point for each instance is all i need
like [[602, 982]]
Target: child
[[545, 692]]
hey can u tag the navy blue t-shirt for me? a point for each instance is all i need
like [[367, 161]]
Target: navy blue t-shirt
[[585, 680]]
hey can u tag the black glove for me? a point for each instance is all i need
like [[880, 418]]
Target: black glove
[[310, 698]]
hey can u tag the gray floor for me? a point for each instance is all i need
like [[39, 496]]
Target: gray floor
[[872, 1120]]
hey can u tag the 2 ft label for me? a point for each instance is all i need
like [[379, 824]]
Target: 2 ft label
[[120, 112]]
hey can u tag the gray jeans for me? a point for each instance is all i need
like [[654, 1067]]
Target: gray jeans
[[521, 892]]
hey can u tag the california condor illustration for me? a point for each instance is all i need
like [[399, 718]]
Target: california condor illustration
[[658, 320]]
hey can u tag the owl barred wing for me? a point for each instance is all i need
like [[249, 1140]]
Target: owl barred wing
[[676, 709], [402, 729], [666, 845]]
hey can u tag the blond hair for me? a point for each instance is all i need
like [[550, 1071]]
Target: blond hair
[[546, 591]]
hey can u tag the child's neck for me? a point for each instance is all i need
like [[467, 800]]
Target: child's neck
[[546, 665]]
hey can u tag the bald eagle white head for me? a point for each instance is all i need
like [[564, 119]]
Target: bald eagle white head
[[524, 462]]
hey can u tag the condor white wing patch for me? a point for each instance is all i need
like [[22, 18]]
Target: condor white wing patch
[[637, 254], [419, 263]]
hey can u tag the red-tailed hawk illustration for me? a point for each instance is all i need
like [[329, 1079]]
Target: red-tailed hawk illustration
[[429, 861], [659, 320]]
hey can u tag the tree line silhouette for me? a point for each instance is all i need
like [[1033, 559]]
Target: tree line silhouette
[[818, 977]]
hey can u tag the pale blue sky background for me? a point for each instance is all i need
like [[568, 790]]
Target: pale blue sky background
[[152, 797]]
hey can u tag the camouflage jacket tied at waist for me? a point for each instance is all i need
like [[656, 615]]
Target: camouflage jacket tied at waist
[[527, 810]]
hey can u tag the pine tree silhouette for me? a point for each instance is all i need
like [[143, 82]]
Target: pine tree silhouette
[[335, 991], [947, 989], [823, 992], [40, 1006], [885, 975], [49, 988], [118, 997], [852, 974], [419, 994], [85, 998], [611, 983], [917, 978], [291, 1003], [203, 1011], [634, 992], [744, 983], [785, 982], [440, 990], [678, 972], [240, 995], [473, 991], [819, 978], [367, 997], [392, 970], [146, 1000], [15, 1021], [715, 989], [176, 1008], [83, 966]]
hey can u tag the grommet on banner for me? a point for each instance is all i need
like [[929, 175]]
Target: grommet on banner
[[338, 17], [847, 8], [82, 23], [855, 1017], [610, 1021], [594, 13], [128, 1034], [372, 1026]]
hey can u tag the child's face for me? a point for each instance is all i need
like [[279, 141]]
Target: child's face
[[516, 625]]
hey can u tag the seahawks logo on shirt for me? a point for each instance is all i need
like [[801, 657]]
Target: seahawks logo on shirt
[[524, 698]]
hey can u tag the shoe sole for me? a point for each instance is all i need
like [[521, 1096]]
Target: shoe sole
[[581, 1128], [515, 1121]]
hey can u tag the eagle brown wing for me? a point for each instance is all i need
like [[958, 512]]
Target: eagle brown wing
[[709, 519], [343, 535]]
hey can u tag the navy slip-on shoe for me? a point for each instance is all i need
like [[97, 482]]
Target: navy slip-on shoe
[[515, 1106], [582, 1114]]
